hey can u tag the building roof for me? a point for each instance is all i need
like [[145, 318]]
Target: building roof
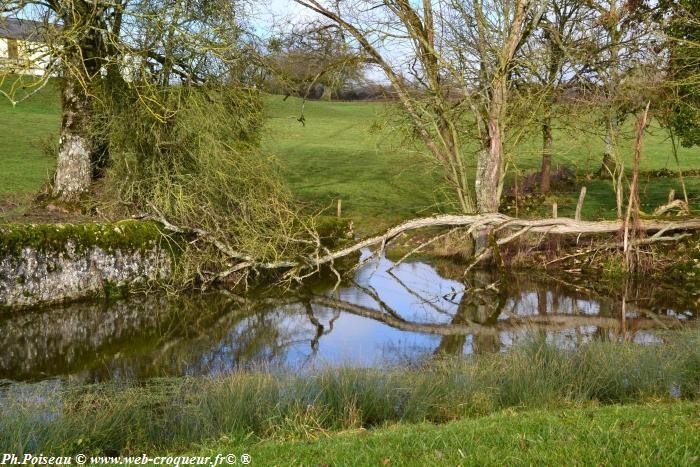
[[24, 29]]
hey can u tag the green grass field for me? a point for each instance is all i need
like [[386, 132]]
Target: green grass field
[[665, 434], [336, 155], [25, 129], [340, 154]]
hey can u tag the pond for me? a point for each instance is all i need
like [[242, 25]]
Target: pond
[[388, 315]]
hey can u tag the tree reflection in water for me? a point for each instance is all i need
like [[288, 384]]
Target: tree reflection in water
[[385, 316]]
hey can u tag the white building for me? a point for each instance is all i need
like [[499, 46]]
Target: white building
[[23, 48]]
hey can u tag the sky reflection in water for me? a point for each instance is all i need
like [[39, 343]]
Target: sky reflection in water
[[387, 317]]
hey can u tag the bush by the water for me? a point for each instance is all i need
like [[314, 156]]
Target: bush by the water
[[175, 414], [192, 157]]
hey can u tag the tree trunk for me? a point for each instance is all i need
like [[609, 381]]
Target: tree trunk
[[489, 166], [545, 174], [612, 163], [82, 60], [609, 156], [632, 218], [553, 70], [73, 168]]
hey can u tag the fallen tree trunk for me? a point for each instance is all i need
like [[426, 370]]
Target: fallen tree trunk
[[495, 223], [504, 227]]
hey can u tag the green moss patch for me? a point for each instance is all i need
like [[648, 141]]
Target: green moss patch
[[124, 236], [334, 232]]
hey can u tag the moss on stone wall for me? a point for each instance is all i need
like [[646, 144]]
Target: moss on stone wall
[[51, 263], [48, 263], [125, 236]]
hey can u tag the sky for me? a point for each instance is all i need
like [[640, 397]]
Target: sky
[[270, 13], [273, 14]]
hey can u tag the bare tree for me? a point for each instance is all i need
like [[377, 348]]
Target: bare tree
[[620, 61], [489, 36], [551, 60], [413, 29], [313, 60], [456, 60]]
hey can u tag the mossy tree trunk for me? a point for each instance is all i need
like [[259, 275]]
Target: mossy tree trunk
[[73, 168]]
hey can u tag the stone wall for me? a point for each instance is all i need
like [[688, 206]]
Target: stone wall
[[53, 263]]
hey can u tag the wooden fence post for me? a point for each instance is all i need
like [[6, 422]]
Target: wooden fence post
[[579, 205]]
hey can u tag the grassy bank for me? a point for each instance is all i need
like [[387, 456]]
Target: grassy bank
[[178, 415], [658, 434]]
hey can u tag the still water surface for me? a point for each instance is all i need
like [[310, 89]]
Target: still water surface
[[385, 316]]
